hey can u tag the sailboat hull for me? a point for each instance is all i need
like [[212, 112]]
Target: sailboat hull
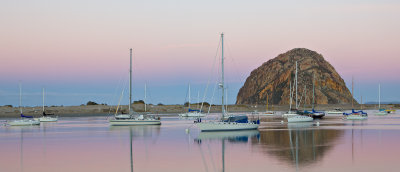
[[300, 118], [288, 115], [225, 126], [334, 112], [24, 122], [381, 113], [119, 122], [47, 119], [191, 114], [356, 117]]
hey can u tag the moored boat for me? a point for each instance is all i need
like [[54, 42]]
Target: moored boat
[[300, 118], [25, 120], [233, 122], [133, 118], [355, 115]]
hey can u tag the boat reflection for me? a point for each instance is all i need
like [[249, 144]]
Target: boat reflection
[[299, 144], [137, 131], [230, 136], [140, 131]]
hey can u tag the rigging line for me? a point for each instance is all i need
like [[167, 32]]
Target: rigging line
[[210, 76], [114, 97], [241, 77], [186, 96], [212, 97], [301, 98], [120, 98], [137, 74], [211, 157], [202, 157]]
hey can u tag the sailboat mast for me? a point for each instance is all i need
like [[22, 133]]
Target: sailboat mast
[[145, 93], [290, 96], [352, 92], [20, 98], [43, 100], [267, 101], [379, 92], [313, 91], [222, 74], [305, 96], [130, 82], [198, 99], [296, 85], [226, 99], [189, 96]]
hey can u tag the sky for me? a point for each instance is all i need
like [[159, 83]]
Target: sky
[[78, 50]]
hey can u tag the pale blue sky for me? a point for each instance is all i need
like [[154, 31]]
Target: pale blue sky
[[78, 49]]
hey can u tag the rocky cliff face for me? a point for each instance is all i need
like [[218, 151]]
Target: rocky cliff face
[[272, 79]]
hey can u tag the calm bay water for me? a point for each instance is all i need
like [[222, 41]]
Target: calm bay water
[[90, 144]]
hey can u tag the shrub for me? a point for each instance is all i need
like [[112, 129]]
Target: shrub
[[138, 102], [91, 103]]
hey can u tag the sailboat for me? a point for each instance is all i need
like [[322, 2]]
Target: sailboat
[[381, 111], [233, 122], [290, 113], [294, 116], [192, 112], [335, 111], [46, 117], [268, 112], [25, 120], [355, 115], [314, 113], [134, 117]]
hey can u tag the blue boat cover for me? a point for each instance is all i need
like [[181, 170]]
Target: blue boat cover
[[194, 110], [353, 112], [238, 119], [313, 111], [23, 116], [362, 112]]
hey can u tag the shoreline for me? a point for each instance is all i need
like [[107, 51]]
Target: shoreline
[[104, 110]]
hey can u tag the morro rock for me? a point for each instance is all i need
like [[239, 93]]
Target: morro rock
[[272, 79]]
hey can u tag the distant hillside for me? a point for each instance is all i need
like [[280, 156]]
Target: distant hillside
[[274, 76], [390, 102]]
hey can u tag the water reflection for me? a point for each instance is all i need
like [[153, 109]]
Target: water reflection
[[299, 144], [23, 130], [241, 137], [136, 132]]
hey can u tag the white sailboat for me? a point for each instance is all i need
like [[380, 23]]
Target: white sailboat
[[290, 113], [381, 112], [314, 113], [25, 120], [233, 122], [267, 111], [134, 118], [336, 111], [292, 116], [355, 115], [191, 112], [46, 117]]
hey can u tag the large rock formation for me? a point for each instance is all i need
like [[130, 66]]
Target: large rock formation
[[272, 79]]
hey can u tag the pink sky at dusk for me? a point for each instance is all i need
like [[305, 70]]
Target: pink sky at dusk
[[175, 41]]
